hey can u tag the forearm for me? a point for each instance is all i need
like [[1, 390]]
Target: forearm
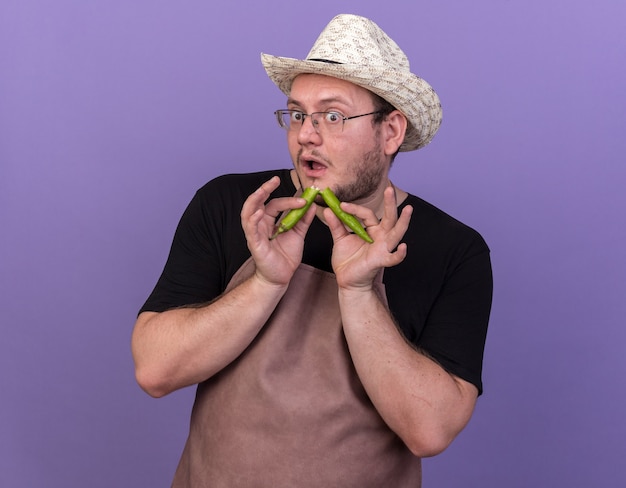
[[426, 406], [185, 346]]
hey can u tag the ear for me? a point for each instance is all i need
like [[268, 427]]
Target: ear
[[394, 129]]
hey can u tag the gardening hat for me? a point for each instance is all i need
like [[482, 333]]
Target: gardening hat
[[355, 49]]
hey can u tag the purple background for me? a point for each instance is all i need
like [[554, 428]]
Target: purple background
[[112, 113]]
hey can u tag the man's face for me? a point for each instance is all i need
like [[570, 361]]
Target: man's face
[[351, 161]]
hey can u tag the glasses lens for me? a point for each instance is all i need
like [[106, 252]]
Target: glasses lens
[[330, 122], [286, 119], [282, 118]]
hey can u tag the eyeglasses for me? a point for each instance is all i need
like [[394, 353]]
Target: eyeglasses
[[327, 122]]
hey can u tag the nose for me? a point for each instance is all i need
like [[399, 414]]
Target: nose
[[308, 132]]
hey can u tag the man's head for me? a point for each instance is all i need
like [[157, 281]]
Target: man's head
[[355, 49], [335, 139]]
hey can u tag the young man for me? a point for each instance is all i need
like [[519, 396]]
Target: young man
[[322, 359]]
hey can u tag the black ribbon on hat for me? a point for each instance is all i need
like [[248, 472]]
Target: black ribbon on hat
[[324, 61]]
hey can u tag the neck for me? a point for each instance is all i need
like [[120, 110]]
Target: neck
[[400, 195]]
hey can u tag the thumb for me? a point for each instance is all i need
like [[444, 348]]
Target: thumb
[[337, 229]]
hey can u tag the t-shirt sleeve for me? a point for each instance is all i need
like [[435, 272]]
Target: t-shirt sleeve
[[209, 244], [191, 272], [455, 330]]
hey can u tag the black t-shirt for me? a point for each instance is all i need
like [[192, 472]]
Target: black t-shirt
[[440, 295]]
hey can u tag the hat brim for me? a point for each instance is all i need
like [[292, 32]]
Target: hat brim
[[410, 94]]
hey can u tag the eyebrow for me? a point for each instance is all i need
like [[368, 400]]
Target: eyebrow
[[323, 101]]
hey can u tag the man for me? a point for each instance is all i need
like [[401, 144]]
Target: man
[[321, 359]]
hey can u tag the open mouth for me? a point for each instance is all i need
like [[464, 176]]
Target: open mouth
[[312, 164]]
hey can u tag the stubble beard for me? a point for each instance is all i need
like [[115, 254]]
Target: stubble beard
[[366, 177]]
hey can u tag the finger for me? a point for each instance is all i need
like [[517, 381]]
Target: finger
[[258, 198], [337, 229], [253, 211], [305, 222], [365, 215], [396, 233], [396, 257], [390, 208], [402, 224], [278, 205]]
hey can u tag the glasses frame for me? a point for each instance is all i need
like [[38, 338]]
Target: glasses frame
[[314, 122]]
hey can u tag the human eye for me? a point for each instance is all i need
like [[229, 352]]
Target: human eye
[[333, 118], [297, 117]]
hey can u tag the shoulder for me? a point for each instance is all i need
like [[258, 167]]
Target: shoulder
[[242, 183], [432, 225], [226, 192]]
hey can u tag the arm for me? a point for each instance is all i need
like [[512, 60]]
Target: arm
[[184, 346], [426, 406]]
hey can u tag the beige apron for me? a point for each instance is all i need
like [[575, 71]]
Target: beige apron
[[291, 411]]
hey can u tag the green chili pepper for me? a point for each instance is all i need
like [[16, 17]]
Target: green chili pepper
[[294, 215], [350, 220]]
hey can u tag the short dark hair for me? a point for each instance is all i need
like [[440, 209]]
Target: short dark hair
[[381, 105], [384, 108]]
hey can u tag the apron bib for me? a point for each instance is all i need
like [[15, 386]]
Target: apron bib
[[291, 411]]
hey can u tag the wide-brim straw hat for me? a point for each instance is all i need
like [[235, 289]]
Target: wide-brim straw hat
[[355, 49]]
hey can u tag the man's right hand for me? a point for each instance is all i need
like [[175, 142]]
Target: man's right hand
[[276, 260]]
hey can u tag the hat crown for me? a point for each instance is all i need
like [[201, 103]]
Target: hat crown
[[355, 40], [355, 49]]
